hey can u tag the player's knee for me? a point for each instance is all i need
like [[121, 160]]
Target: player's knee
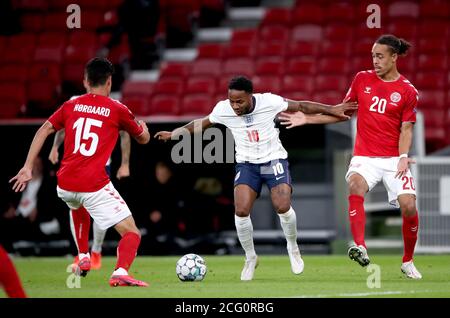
[[282, 207], [241, 212], [408, 208], [356, 187]]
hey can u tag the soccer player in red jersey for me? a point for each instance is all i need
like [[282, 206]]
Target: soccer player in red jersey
[[386, 115], [92, 123], [9, 279]]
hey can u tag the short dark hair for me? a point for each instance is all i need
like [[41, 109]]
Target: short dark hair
[[396, 45], [98, 70], [241, 83]]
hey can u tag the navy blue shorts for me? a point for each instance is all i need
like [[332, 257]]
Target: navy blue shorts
[[271, 173]]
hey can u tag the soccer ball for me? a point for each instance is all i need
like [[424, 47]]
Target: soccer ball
[[191, 267]]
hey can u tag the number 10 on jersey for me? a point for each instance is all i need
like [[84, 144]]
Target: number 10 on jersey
[[253, 135]]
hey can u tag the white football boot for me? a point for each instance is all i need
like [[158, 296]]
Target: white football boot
[[359, 255], [249, 268], [410, 270], [297, 264]]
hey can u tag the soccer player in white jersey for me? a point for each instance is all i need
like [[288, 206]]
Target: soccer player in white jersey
[[260, 158], [80, 221], [386, 116]]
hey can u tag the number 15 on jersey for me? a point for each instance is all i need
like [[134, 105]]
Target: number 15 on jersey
[[83, 133]]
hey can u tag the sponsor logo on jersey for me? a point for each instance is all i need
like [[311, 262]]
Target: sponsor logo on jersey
[[237, 176], [367, 90], [396, 97]]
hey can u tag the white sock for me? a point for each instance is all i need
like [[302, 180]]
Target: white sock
[[83, 255], [120, 271], [99, 237], [244, 228], [288, 221]]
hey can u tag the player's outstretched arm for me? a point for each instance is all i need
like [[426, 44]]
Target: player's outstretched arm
[[125, 146], [308, 107], [291, 120], [26, 173], [57, 142], [195, 126]]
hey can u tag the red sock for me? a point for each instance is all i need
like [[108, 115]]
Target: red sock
[[127, 250], [9, 278], [357, 217], [410, 228], [82, 224]]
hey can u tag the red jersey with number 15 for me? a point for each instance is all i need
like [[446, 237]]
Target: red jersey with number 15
[[92, 124], [382, 108]]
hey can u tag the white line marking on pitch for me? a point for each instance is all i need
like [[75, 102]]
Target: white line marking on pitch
[[364, 294]]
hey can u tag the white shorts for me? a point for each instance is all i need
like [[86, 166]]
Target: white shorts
[[106, 206], [374, 170]]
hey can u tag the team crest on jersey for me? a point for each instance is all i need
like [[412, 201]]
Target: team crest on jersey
[[396, 97], [248, 119], [367, 90]]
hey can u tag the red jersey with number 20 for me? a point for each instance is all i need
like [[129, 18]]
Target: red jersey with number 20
[[382, 108], [92, 124]]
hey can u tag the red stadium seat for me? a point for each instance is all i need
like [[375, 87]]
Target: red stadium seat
[[403, 9], [433, 29], [45, 72], [74, 73], [234, 50], [211, 67], [32, 22], [306, 32], [222, 86], [435, 62], [433, 118], [331, 83], [298, 83], [44, 93], [435, 9], [328, 97], [56, 21], [296, 95], [275, 16], [210, 50], [274, 33], [340, 11], [163, 104], [173, 69], [83, 38], [200, 85], [267, 84], [48, 54], [335, 49], [338, 31], [363, 33], [196, 104], [363, 47], [431, 99], [244, 35], [91, 20], [31, 5], [234, 67], [307, 13], [269, 66], [79, 54], [333, 65], [13, 100], [139, 105], [303, 49], [172, 86], [301, 66], [272, 49], [10, 73], [403, 29], [359, 64], [137, 88], [52, 39], [430, 80], [431, 46]]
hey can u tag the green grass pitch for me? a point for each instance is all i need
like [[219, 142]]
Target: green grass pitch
[[324, 276]]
